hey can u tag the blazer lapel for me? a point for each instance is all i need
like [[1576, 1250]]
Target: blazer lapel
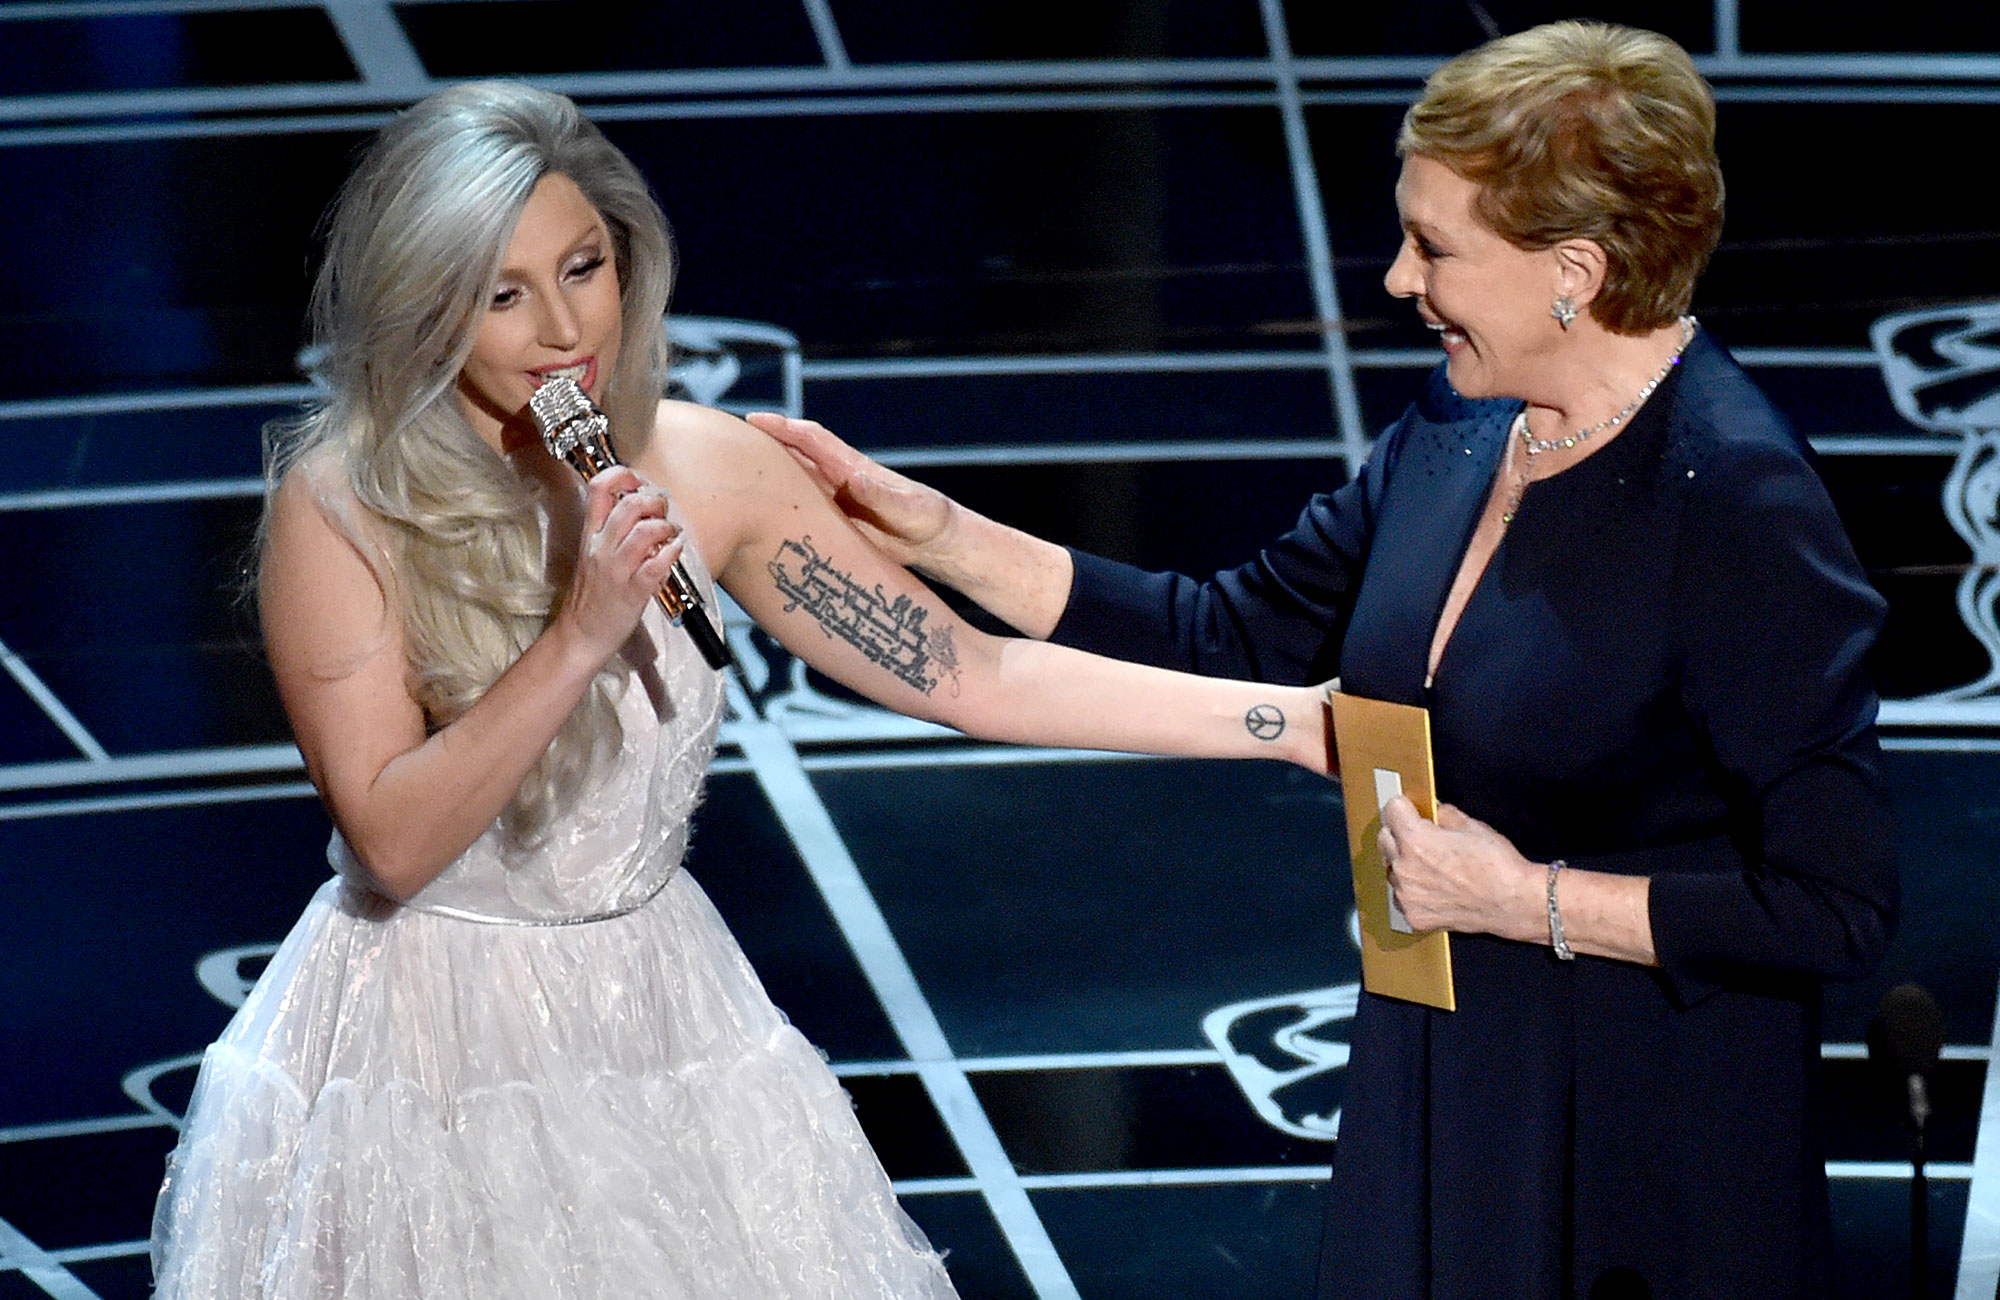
[[1430, 503]]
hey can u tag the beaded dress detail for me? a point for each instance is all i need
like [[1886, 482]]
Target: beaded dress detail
[[551, 1074]]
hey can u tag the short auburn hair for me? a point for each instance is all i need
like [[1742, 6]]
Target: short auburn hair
[[1586, 130]]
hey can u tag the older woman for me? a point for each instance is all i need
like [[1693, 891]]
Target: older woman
[[1597, 555], [510, 1050]]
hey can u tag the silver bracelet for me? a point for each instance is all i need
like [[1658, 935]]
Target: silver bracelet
[[1556, 939]]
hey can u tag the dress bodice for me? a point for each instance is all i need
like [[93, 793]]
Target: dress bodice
[[614, 844]]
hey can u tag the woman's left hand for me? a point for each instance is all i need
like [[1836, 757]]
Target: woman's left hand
[[1460, 874]]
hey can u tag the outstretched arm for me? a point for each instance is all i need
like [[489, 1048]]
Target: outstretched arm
[[792, 560], [1279, 617], [1019, 578]]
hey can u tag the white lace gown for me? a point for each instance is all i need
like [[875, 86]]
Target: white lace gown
[[553, 1074]]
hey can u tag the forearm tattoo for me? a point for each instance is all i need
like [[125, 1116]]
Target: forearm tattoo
[[1265, 721], [890, 633]]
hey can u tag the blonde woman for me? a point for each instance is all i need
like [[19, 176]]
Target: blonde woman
[[509, 1050]]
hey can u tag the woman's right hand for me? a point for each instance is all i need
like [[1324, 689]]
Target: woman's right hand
[[1022, 580], [624, 556], [904, 519]]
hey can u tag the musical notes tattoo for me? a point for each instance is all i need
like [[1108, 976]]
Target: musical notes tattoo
[[889, 632]]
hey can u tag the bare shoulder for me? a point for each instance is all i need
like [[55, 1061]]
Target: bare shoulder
[[304, 518], [722, 473], [322, 576], [313, 520], [698, 448]]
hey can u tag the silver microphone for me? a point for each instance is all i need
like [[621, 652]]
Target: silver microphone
[[574, 430]]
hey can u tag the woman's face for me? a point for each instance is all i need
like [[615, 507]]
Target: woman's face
[[555, 310], [1488, 299]]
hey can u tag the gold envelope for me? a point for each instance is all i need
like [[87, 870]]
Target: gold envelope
[[1385, 750]]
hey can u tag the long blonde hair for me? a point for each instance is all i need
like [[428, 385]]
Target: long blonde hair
[[414, 244]]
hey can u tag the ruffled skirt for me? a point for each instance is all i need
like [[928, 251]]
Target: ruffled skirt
[[413, 1106]]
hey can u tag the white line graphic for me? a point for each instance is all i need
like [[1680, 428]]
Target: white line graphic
[[1312, 226], [57, 712], [799, 808], [827, 31], [1979, 1253], [39, 1267]]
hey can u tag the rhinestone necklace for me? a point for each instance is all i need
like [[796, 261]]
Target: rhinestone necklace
[[1536, 446]]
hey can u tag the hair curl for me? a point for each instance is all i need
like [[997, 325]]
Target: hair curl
[[414, 244], [1586, 130]]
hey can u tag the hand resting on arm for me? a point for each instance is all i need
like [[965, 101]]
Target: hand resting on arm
[[1018, 578], [777, 541]]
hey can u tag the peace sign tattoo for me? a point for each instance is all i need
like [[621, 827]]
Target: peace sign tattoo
[[1265, 721]]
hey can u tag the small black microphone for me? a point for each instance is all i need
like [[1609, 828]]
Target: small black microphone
[[1904, 1040], [576, 431]]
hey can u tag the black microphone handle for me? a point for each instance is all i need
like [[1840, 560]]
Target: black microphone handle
[[702, 632]]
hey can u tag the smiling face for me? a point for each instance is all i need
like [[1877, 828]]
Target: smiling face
[[555, 309], [1488, 299]]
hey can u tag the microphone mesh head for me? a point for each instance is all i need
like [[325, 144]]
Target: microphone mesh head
[[1907, 1032], [564, 414]]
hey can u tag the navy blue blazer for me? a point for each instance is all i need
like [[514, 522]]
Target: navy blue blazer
[[1661, 672]]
